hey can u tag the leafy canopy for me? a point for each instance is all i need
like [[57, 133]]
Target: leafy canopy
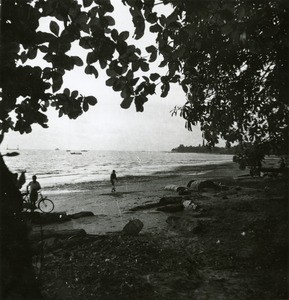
[[230, 57]]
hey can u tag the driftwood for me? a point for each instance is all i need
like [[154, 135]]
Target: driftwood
[[55, 217], [171, 208], [163, 201], [81, 214], [145, 206], [48, 218]]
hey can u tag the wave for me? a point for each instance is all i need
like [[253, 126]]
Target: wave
[[53, 168]]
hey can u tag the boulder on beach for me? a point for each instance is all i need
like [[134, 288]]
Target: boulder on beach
[[133, 227], [184, 192], [171, 187], [198, 185]]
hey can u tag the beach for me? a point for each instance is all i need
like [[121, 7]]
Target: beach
[[231, 244], [112, 210]]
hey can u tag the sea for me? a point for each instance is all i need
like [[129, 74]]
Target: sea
[[58, 167]]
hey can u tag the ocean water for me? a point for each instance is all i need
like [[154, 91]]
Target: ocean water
[[57, 167]]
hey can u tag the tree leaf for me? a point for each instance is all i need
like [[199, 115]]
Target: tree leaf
[[57, 82], [77, 61], [43, 48], [91, 58], [85, 106], [102, 63], [91, 100], [54, 27], [110, 20], [66, 91], [165, 89], [126, 103], [74, 94], [123, 35], [110, 81], [154, 76], [91, 70], [139, 102], [144, 66], [87, 3], [32, 53]]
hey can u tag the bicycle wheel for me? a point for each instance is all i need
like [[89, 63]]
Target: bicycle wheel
[[25, 205], [46, 205]]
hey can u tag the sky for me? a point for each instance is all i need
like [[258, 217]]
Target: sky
[[106, 126]]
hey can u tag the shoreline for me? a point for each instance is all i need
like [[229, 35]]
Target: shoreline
[[198, 170], [112, 210]]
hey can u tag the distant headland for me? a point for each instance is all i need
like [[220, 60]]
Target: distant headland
[[206, 149]]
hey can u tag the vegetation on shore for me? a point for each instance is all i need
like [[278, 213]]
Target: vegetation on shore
[[236, 89], [205, 149], [229, 57]]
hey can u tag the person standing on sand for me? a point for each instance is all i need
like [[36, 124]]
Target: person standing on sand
[[34, 187], [113, 180]]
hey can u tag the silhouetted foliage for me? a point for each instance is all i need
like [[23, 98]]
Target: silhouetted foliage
[[230, 57], [206, 149]]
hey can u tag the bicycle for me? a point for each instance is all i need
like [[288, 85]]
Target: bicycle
[[42, 203]]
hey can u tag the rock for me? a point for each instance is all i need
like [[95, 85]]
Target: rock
[[198, 185], [133, 227], [171, 187], [189, 204], [184, 192], [82, 214], [181, 188], [171, 208]]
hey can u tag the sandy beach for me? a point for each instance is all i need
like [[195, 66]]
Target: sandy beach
[[112, 210], [234, 245]]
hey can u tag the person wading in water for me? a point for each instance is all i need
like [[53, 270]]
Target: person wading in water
[[113, 180]]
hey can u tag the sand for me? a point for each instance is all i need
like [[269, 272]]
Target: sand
[[112, 210], [234, 246]]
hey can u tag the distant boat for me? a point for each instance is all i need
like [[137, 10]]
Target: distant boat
[[67, 150], [83, 150], [57, 149], [7, 148], [77, 153]]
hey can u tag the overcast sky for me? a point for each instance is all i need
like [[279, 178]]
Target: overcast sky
[[106, 126]]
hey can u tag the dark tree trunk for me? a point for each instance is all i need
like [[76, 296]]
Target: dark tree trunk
[[17, 275]]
